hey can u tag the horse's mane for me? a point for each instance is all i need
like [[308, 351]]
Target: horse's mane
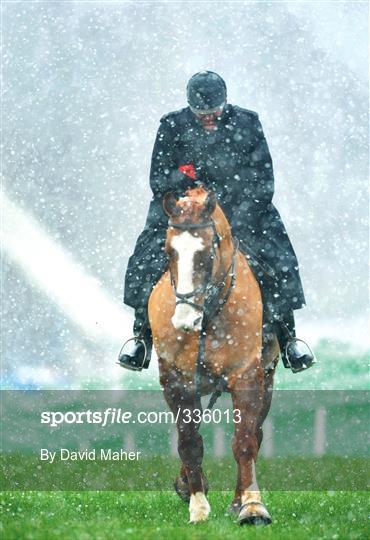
[[196, 196]]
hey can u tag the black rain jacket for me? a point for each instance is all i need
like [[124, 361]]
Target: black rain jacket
[[235, 162]]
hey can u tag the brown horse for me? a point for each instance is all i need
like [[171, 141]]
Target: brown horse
[[210, 291]]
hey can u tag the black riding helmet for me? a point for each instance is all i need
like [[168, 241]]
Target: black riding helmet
[[206, 91]]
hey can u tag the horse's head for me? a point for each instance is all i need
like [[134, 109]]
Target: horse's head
[[190, 245]]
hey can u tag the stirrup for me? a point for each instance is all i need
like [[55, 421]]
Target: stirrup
[[145, 362], [287, 362]]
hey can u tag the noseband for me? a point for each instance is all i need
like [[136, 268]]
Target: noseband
[[209, 286]]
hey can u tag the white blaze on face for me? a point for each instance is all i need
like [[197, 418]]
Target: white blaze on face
[[186, 245]]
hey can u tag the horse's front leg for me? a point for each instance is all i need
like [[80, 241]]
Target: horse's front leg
[[190, 448], [247, 395]]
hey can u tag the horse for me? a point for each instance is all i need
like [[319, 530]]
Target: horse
[[206, 315]]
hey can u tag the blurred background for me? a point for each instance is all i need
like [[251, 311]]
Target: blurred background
[[84, 87]]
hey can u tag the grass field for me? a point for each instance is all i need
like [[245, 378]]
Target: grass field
[[156, 474], [161, 515]]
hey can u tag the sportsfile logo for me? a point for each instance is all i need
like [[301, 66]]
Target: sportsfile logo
[[112, 415], [103, 418]]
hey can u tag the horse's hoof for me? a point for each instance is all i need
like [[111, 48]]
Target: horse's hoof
[[234, 508], [254, 513]]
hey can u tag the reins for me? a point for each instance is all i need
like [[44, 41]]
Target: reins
[[215, 306], [212, 304]]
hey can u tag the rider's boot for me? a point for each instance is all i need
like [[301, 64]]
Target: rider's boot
[[295, 353], [136, 352]]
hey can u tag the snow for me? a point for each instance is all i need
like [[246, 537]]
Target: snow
[[85, 85]]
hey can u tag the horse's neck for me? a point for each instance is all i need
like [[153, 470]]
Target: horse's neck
[[226, 248], [226, 256]]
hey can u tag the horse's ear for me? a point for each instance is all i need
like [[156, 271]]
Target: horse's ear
[[210, 204], [169, 204]]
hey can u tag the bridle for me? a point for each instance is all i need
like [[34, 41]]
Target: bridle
[[184, 298], [212, 303]]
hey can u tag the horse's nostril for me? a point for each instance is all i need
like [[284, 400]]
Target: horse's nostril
[[197, 321]]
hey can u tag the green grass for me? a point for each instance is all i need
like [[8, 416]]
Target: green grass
[[161, 515], [147, 515], [157, 473]]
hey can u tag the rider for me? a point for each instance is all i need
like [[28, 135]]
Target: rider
[[222, 147]]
